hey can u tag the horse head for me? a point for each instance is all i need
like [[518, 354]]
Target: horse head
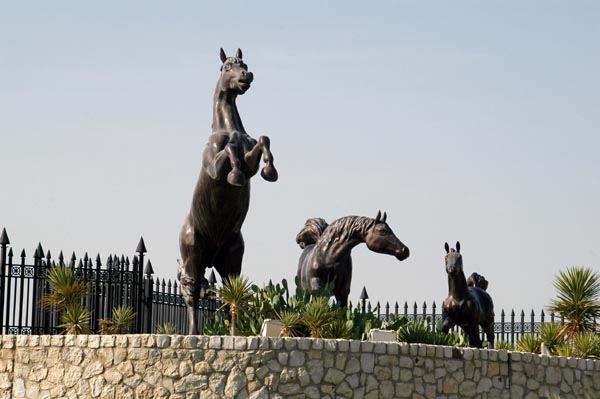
[[380, 238], [235, 77], [310, 233], [454, 263]]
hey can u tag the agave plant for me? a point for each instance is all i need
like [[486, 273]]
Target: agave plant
[[318, 315], [504, 345], [339, 328], [235, 294], [167, 329], [578, 299], [76, 320], [292, 324], [529, 343], [552, 335], [123, 318]]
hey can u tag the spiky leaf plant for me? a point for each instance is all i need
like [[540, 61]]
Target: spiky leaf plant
[[292, 324], [235, 294], [318, 315], [65, 289], [552, 335], [167, 329], [529, 343], [339, 328], [504, 345], [76, 320], [578, 299], [123, 318]]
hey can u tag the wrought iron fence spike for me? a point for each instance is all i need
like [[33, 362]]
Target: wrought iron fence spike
[[141, 247], [522, 313], [39, 252], [23, 253], [73, 257], [80, 264], [98, 261], [148, 269], [61, 257], [4, 237], [86, 257], [363, 294], [10, 252], [48, 255]]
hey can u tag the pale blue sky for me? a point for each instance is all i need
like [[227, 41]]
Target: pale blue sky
[[470, 120]]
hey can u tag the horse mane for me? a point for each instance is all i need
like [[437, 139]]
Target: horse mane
[[477, 280], [344, 228], [312, 230]]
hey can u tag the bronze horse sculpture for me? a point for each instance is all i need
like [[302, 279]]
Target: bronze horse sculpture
[[326, 250], [467, 305], [211, 236]]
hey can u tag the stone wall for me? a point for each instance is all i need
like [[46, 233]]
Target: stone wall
[[186, 367]]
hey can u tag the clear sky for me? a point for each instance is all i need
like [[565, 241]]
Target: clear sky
[[470, 120]]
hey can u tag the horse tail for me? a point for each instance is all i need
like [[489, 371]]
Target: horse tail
[[310, 233], [477, 280]]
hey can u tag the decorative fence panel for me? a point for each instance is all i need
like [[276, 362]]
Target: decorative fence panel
[[509, 329], [118, 282]]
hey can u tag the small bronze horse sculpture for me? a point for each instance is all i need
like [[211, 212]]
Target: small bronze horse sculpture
[[326, 254], [211, 233], [467, 306]]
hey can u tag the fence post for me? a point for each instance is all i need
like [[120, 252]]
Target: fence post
[[522, 323], [149, 284], [433, 323], [363, 297], [512, 326], [502, 315], [532, 322], [4, 241], [139, 277]]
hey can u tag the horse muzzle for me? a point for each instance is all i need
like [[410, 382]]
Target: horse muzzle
[[402, 254]]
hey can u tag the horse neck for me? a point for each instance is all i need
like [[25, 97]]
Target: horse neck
[[457, 285], [225, 113]]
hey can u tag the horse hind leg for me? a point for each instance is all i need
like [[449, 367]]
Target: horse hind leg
[[489, 333], [190, 273]]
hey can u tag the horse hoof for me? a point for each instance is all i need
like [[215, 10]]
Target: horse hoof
[[269, 173], [236, 178]]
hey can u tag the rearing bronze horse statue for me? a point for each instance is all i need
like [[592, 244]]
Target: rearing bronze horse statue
[[211, 235]]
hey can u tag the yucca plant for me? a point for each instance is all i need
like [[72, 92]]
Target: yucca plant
[[123, 318], [235, 294], [339, 328], [585, 345], [76, 320], [578, 299], [65, 289], [318, 315], [529, 343], [292, 324], [499, 345], [552, 335], [417, 331], [167, 329]]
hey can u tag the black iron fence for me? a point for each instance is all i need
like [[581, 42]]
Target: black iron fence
[[124, 281], [508, 327], [119, 281]]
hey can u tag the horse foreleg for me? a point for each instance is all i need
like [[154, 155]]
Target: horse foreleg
[[489, 333], [235, 177], [252, 159]]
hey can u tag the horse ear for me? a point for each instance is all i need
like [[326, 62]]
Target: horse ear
[[457, 246], [384, 217], [447, 247], [238, 53], [378, 217], [223, 56]]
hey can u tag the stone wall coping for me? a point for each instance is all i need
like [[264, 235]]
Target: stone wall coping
[[288, 343]]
